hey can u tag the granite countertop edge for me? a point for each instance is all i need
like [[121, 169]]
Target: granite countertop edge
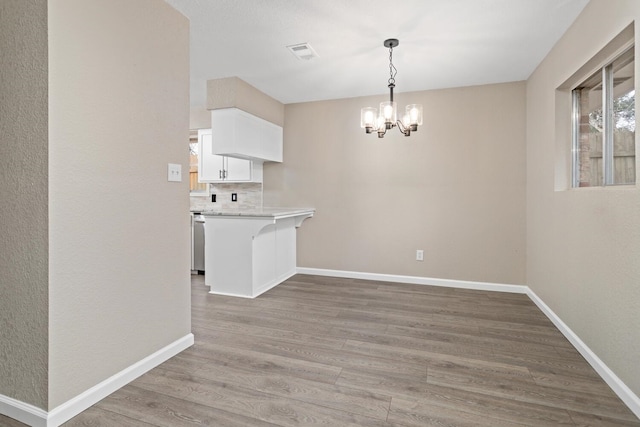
[[260, 212]]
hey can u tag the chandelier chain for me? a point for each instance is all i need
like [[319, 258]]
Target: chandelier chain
[[392, 69]]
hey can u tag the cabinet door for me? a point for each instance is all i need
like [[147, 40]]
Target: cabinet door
[[210, 166], [238, 169], [237, 133]]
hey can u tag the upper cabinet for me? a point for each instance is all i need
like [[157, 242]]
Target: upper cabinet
[[215, 168], [236, 133]]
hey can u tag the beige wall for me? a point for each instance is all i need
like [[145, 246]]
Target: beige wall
[[23, 207], [583, 245], [199, 118], [234, 92], [119, 232], [455, 188]]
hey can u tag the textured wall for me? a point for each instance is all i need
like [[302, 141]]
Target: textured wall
[[234, 92], [23, 207], [119, 232], [583, 245], [199, 118], [455, 188]]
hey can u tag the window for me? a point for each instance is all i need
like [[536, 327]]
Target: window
[[195, 187], [604, 125]]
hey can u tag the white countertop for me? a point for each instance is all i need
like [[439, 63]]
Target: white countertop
[[265, 212]]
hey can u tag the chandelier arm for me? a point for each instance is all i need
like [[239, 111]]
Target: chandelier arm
[[404, 129]]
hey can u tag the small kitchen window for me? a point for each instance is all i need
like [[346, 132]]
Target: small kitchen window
[[603, 130], [195, 188]]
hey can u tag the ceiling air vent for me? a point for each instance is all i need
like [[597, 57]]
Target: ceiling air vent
[[302, 51]]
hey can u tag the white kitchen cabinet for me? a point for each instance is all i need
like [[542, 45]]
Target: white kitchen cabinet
[[248, 252], [239, 134], [236, 169], [215, 168]]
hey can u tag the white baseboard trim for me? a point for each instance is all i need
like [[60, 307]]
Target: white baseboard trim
[[616, 384], [73, 407], [275, 282], [23, 412], [230, 294], [37, 417], [259, 291], [416, 280]]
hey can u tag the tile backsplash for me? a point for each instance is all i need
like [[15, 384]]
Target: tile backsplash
[[249, 197]]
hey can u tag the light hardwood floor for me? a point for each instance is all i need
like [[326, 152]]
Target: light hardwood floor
[[346, 352]]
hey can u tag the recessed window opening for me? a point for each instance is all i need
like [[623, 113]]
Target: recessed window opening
[[195, 187], [604, 125]]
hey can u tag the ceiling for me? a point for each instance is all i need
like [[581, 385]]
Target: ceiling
[[443, 43]]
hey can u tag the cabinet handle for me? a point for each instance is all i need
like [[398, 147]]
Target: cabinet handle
[[220, 174], [224, 174]]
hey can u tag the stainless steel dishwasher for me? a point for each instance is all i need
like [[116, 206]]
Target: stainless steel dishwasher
[[197, 243]]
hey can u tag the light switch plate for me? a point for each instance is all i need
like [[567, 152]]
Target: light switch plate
[[174, 172]]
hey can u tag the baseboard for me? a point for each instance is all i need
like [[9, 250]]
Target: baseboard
[[270, 285], [23, 412], [275, 282], [73, 407], [37, 417], [230, 294], [616, 384], [416, 280]]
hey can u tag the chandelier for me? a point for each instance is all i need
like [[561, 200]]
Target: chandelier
[[387, 117]]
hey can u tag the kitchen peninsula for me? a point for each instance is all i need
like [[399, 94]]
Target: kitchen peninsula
[[248, 252]]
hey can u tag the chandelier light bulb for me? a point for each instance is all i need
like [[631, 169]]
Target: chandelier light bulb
[[406, 120], [389, 112], [368, 118], [381, 127], [415, 113]]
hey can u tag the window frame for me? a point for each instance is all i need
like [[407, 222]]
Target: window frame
[[607, 121], [204, 191]]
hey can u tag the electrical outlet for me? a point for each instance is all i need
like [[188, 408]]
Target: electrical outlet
[[419, 255], [213, 198], [234, 197]]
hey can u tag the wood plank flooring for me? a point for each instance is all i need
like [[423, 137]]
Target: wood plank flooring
[[346, 352]]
